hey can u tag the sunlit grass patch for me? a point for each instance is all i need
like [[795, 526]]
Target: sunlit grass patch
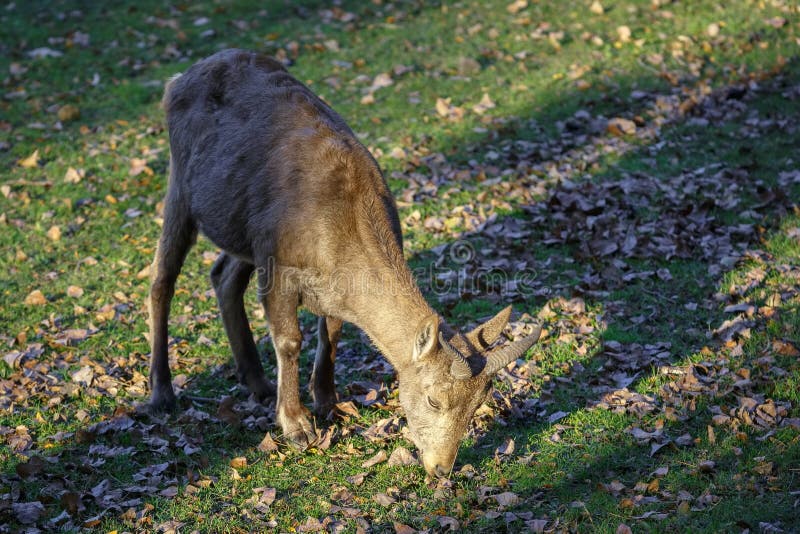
[[549, 191]]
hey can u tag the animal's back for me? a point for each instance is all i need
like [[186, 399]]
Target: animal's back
[[249, 142]]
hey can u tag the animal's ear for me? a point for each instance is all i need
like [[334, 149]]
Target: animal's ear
[[426, 338], [487, 333]]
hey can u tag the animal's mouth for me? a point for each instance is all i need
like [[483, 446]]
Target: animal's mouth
[[438, 469]]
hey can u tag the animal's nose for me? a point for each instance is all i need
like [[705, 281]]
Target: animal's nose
[[437, 466], [436, 470], [440, 471]]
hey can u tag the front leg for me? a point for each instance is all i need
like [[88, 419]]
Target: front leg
[[280, 304]]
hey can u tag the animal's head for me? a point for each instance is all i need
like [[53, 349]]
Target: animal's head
[[448, 378]]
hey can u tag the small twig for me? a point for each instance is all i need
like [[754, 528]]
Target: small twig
[[659, 295]]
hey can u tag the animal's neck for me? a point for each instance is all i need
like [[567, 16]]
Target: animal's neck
[[381, 296], [388, 305], [390, 311]]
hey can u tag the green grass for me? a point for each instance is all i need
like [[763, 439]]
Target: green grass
[[527, 63]]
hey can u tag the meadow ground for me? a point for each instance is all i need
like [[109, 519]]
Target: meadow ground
[[625, 173]]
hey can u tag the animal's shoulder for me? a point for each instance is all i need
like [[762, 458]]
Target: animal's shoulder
[[230, 72]]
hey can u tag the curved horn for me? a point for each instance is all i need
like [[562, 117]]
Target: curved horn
[[501, 357], [460, 368]]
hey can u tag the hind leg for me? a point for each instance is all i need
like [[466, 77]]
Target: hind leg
[[230, 277], [323, 387], [177, 237]]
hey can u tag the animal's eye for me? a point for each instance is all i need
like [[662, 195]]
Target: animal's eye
[[433, 404]]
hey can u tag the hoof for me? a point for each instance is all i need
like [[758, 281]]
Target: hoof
[[298, 431], [324, 399], [300, 439], [324, 407], [262, 389], [257, 384], [162, 400]]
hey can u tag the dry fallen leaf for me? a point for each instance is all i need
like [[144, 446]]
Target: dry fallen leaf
[[383, 499], [746, 308], [20, 440], [506, 498], [71, 501], [776, 22], [447, 110], [516, 6], [467, 66], [442, 106], [485, 104], [74, 292], [68, 113], [268, 444], [764, 468], [785, 348], [357, 479], [448, 523], [323, 439], [138, 166], [35, 298], [144, 273], [266, 496], [379, 457], [401, 456], [54, 233], [239, 462], [74, 176], [537, 526], [84, 376], [381, 80], [706, 466], [660, 472], [556, 416], [614, 487], [620, 127], [506, 449], [27, 513], [31, 161], [169, 492], [347, 408], [33, 466], [226, 412]]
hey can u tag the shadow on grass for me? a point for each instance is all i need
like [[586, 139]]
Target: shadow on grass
[[561, 480], [592, 474]]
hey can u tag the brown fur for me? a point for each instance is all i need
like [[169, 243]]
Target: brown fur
[[277, 180]]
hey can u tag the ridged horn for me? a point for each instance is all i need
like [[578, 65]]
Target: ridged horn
[[501, 357], [460, 368]]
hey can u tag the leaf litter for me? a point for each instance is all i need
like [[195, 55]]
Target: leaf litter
[[547, 178]]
